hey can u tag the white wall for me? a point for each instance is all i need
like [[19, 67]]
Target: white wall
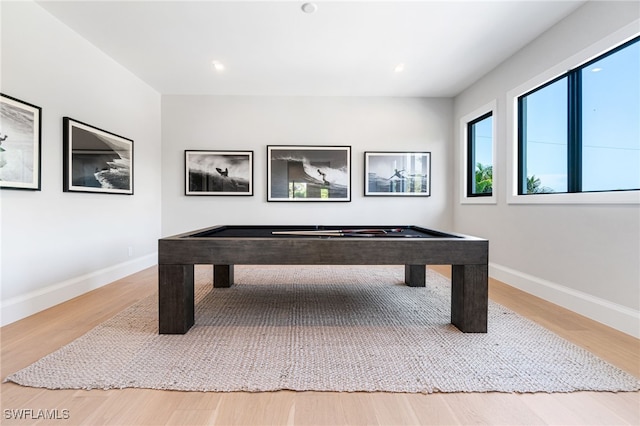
[[58, 245], [581, 256], [252, 123]]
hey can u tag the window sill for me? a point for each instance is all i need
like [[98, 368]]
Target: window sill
[[612, 197], [479, 200]]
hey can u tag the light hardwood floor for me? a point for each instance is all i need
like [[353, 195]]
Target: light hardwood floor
[[25, 341]]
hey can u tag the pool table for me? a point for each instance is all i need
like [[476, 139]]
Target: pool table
[[412, 246]]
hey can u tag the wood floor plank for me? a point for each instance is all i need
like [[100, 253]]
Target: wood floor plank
[[358, 408], [319, 408], [491, 408], [626, 405], [393, 409], [191, 417], [264, 408], [580, 408]]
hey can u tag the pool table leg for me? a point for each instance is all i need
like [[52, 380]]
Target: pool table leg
[[469, 297], [222, 276], [175, 299], [414, 275]]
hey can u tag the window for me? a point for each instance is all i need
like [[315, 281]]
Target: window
[[543, 136], [581, 131], [610, 125], [477, 162], [480, 156]]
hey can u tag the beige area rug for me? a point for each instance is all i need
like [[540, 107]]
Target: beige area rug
[[323, 329]]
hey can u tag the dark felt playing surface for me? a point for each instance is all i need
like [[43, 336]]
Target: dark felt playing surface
[[267, 231]]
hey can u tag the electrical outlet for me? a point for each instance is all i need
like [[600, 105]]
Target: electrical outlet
[[130, 251]]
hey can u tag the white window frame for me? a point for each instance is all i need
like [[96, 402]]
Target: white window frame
[[606, 197], [491, 107]]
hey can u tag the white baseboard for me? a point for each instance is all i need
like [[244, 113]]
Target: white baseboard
[[22, 306], [611, 314]]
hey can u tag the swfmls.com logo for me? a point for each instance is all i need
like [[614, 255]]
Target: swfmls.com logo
[[35, 414]]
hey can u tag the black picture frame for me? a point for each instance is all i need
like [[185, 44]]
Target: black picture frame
[[303, 173], [20, 144], [95, 160], [216, 172], [397, 174]]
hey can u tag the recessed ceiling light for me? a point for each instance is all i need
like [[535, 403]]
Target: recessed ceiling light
[[399, 67], [309, 7], [596, 69], [217, 65]]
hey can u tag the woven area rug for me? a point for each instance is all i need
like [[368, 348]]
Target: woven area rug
[[323, 329]]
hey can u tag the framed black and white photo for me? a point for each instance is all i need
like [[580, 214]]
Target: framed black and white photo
[[308, 173], [406, 174], [96, 160], [20, 144], [218, 172]]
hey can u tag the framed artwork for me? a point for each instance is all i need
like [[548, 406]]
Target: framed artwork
[[309, 173], [394, 174], [95, 160], [20, 144], [218, 172]]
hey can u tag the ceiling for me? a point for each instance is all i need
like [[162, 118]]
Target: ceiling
[[345, 48]]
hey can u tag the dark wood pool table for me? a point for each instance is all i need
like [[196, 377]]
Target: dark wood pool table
[[412, 246]]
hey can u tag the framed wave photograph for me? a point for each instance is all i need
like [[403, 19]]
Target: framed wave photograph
[[96, 160], [218, 172], [308, 173], [397, 174], [20, 144]]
